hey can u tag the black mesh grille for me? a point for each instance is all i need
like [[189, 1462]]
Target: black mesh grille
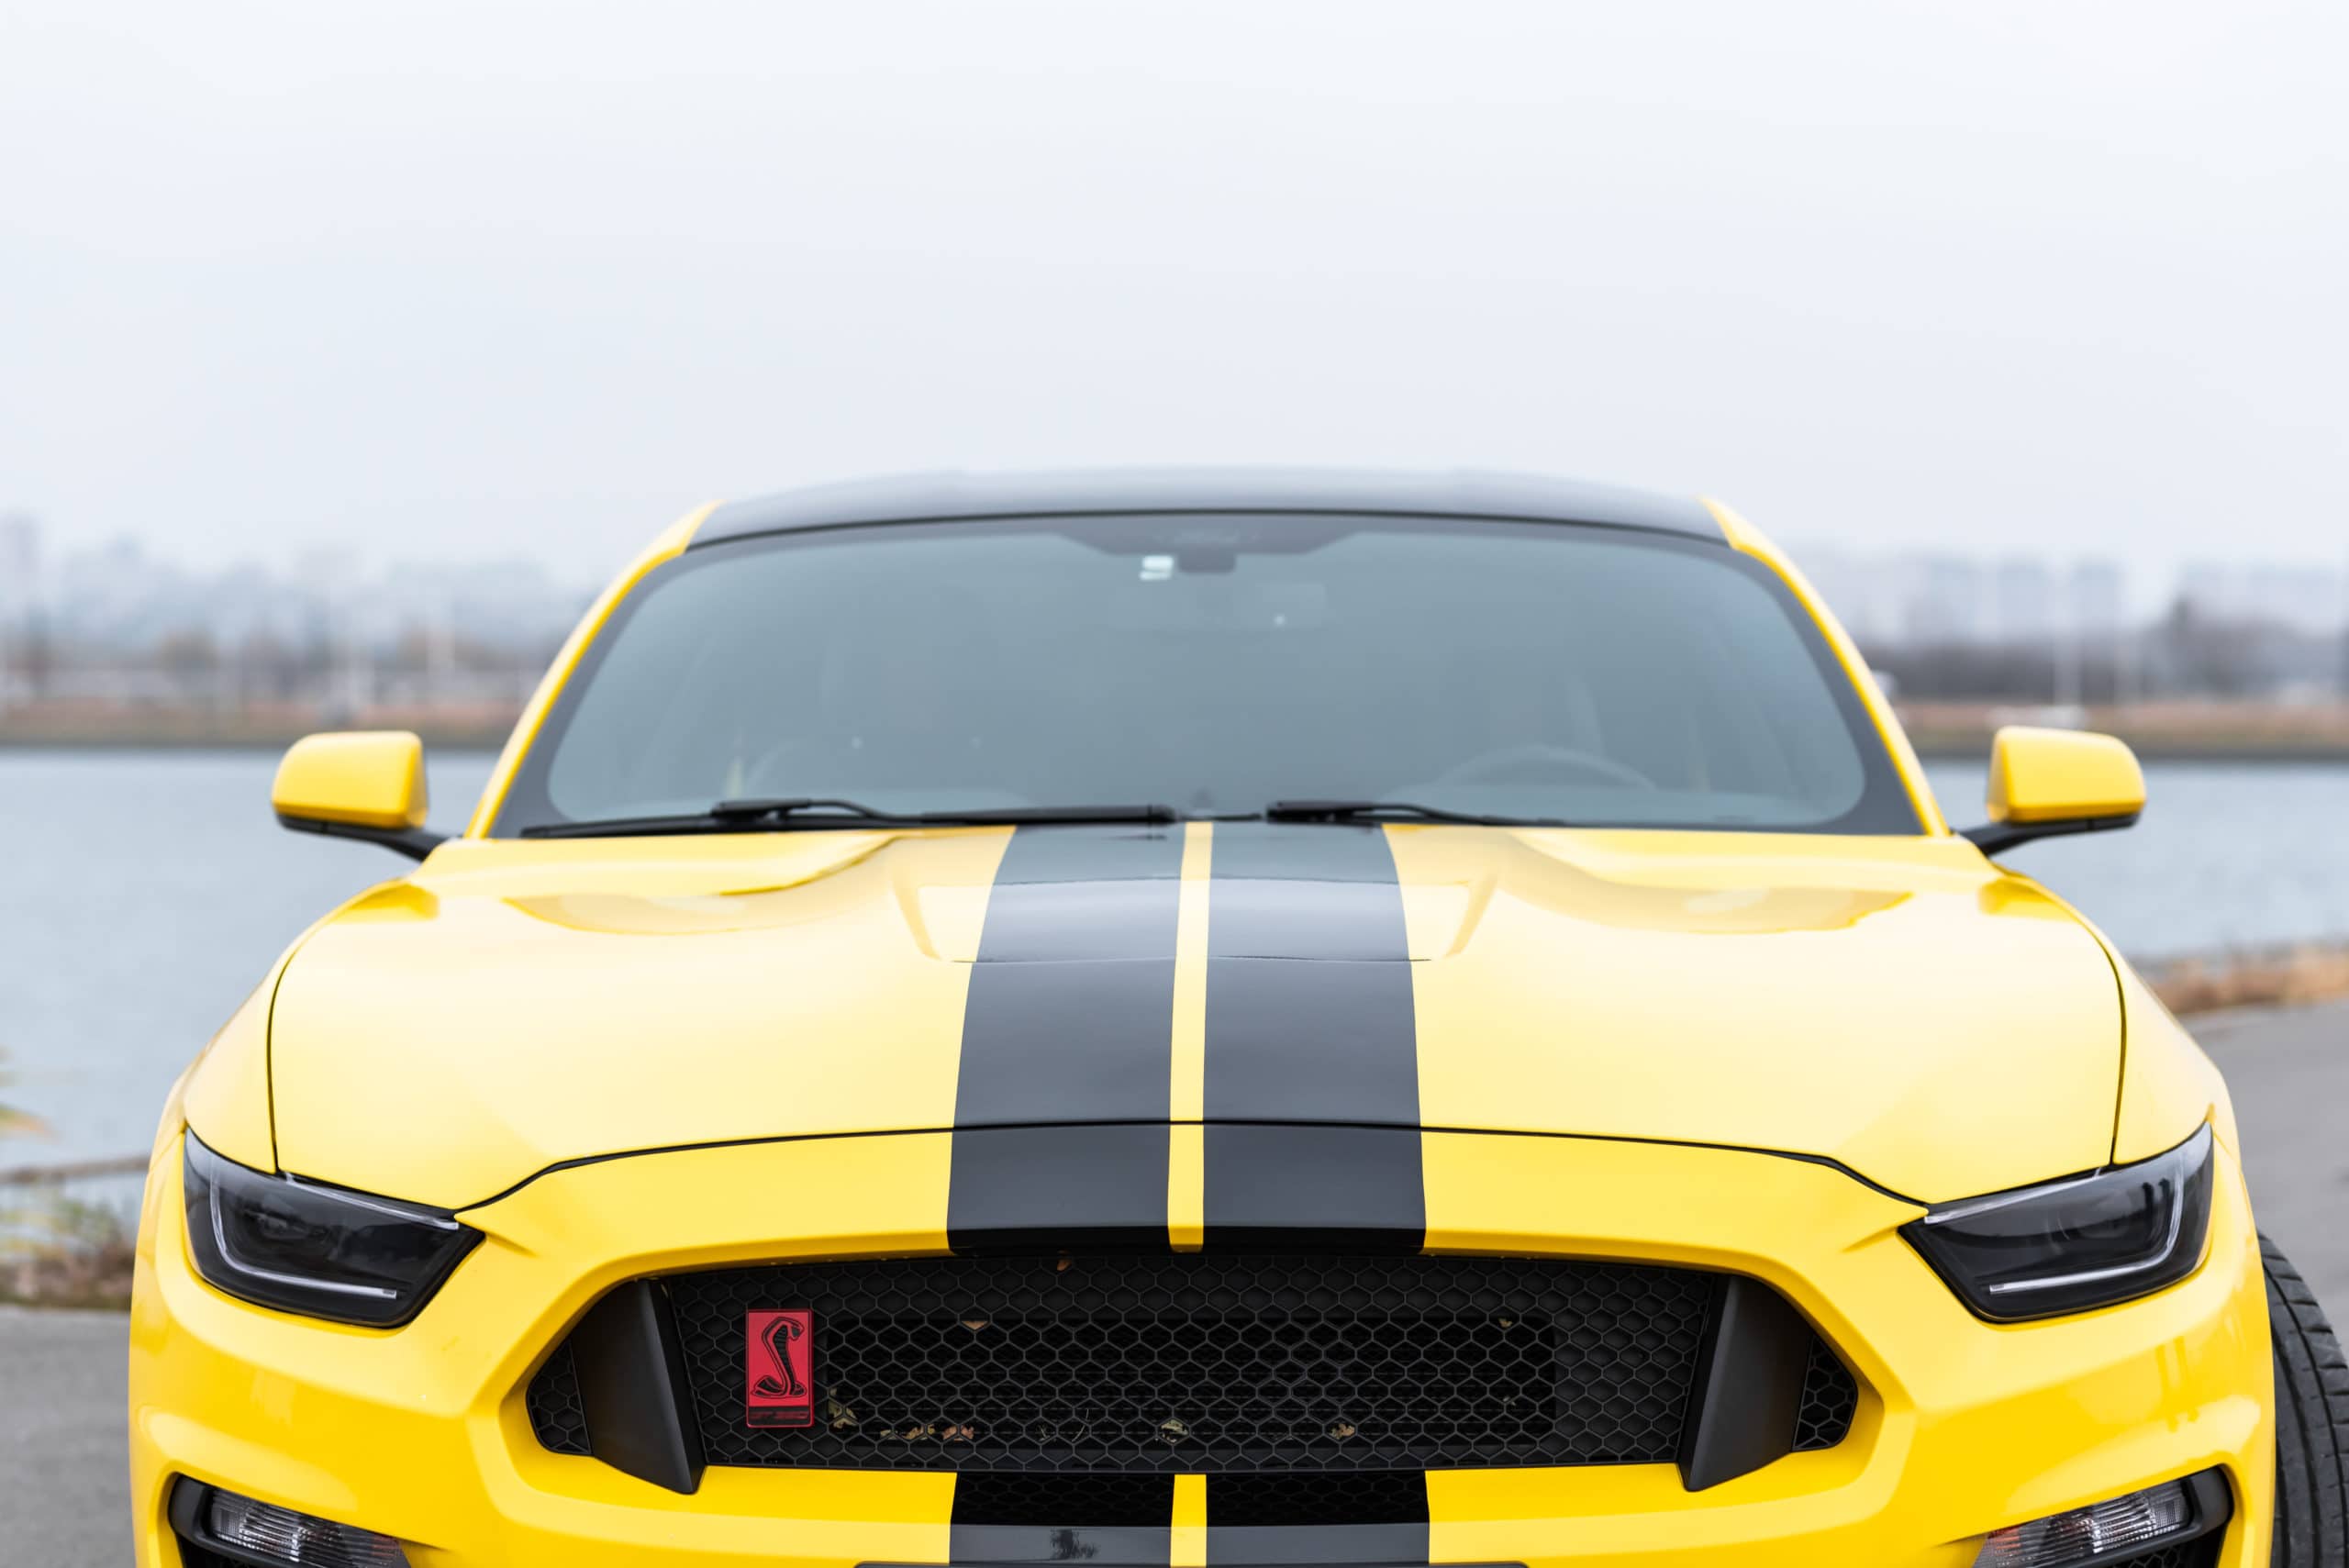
[[1829, 1399], [1209, 1362], [1226, 1364], [556, 1414]]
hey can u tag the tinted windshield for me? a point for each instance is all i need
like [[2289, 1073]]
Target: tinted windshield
[[1215, 664]]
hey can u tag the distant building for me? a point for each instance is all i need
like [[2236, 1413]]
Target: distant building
[[2023, 601], [2312, 599], [2097, 596], [1859, 589], [19, 567], [19, 602], [2080, 630], [1948, 601]]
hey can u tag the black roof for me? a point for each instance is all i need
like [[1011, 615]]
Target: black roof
[[923, 497]]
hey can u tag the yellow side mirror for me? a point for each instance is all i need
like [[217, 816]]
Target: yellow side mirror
[[2050, 781], [366, 784]]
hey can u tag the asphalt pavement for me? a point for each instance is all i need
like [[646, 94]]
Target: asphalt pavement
[[65, 1495], [64, 1490], [2288, 1073]]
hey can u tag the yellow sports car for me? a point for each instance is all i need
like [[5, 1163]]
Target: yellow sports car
[[1214, 1017]]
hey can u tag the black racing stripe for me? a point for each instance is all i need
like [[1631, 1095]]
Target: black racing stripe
[[1309, 993], [1291, 1040], [1031, 1189], [1267, 1545], [1063, 1518], [1368, 1516], [1069, 1019], [1314, 1189], [1310, 1019], [1071, 1009]]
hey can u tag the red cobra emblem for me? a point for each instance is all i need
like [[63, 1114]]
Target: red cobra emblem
[[779, 1335]]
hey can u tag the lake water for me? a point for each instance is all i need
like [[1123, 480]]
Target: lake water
[[141, 895]]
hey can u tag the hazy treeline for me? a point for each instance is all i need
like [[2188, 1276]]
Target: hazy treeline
[[2186, 653]]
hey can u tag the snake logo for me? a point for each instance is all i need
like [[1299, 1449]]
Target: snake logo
[[779, 1335], [781, 1370]]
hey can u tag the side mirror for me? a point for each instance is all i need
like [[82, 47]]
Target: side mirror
[[366, 784], [2046, 783]]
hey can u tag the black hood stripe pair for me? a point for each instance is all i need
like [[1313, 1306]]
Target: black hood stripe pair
[[1310, 1097]]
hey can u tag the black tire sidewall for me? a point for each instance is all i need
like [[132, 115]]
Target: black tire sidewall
[[2312, 1423]]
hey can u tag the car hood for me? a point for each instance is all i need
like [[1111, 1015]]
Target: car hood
[[1900, 1006]]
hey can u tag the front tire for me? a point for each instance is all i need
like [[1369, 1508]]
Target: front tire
[[2312, 1423]]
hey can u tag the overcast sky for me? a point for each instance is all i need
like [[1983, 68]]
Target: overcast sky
[[466, 281]]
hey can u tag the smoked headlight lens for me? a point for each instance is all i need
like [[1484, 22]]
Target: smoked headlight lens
[[2077, 1244], [316, 1250]]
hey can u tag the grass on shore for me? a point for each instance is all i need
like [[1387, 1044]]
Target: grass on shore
[[58, 1251], [2279, 977], [12, 1119]]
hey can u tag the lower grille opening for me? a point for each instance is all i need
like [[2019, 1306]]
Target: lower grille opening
[[1056, 1501], [1360, 1498], [1226, 1364]]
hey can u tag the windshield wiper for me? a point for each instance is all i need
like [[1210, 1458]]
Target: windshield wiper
[[801, 812], [1393, 811]]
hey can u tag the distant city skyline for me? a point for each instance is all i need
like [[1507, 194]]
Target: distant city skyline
[[125, 589], [2309, 578], [124, 592], [1920, 597], [531, 280]]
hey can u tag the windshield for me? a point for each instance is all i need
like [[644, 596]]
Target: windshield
[[1216, 664]]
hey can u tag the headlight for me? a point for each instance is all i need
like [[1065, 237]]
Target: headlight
[[315, 1250], [2072, 1245]]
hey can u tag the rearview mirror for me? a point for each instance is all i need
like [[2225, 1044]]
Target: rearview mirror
[[2045, 783], [366, 784]]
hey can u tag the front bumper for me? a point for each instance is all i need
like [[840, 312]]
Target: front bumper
[[1963, 1427]]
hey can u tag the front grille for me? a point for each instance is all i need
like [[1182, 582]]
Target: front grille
[[1208, 1363]]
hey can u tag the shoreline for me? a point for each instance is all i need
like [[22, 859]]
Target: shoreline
[[2181, 731], [435, 737], [1942, 747], [2294, 975], [440, 743]]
